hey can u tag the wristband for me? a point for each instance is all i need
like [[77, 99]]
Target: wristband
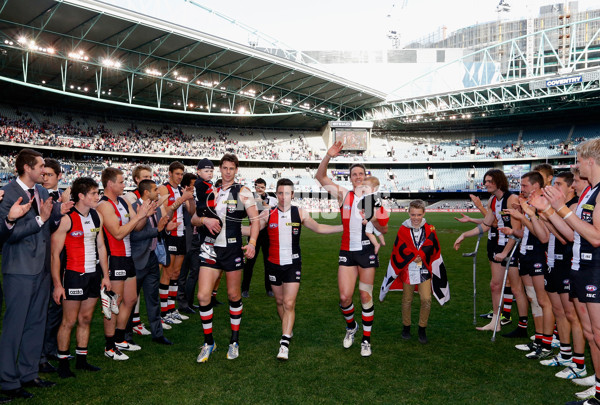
[[201, 221], [568, 215], [252, 242], [549, 214], [9, 222], [548, 208], [562, 212], [480, 229]]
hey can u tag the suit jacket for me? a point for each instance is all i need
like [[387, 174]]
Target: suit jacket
[[27, 248], [141, 242]]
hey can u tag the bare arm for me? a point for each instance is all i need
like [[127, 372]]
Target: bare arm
[[483, 227], [314, 226], [321, 176], [103, 257], [111, 221]]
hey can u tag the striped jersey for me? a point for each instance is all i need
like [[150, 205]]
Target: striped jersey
[[174, 194], [283, 229], [121, 248], [353, 236], [80, 242]]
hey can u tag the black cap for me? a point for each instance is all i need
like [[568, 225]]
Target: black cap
[[205, 164]]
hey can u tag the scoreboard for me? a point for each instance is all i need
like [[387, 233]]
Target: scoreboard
[[355, 135]]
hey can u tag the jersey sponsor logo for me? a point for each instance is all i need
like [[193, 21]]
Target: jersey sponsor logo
[[586, 216], [295, 231], [231, 240], [238, 259], [505, 218], [558, 257], [586, 256], [588, 207], [273, 225], [343, 259], [230, 202], [126, 215], [87, 222], [120, 273], [172, 248], [591, 288], [95, 230], [366, 242], [76, 234], [75, 291], [493, 234], [295, 256], [292, 223], [588, 295]]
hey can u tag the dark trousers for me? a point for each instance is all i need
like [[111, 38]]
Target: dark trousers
[[23, 327], [53, 321], [188, 277], [261, 242], [148, 278]]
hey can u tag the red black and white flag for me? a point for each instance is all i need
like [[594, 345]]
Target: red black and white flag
[[405, 252]]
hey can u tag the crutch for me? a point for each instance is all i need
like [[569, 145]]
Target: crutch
[[508, 260], [474, 256]]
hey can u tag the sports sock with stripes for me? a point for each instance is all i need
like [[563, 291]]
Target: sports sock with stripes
[[172, 295], [579, 360], [507, 302], [348, 313], [135, 319], [367, 322], [285, 340], [163, 292], [597, 388], [522, 322], [547, 342], [81, 356], [110, 342], [565, 351], [119, 335], [235, 317], [206, 315]]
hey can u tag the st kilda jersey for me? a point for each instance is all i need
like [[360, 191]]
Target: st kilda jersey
[[503, 217], [354, 237], [283, 229], [231, 211], [174, 194], [584, 254], [557, 252], [80, 242], [121, 248]]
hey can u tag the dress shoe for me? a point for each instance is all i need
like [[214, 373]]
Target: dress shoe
[[5, 400], [187, 310], [38, 383], [17, 393], [46, 367], [195, 306], [162, 340]]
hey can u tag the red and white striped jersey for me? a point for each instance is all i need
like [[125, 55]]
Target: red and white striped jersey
[[174, 194], [80, 242], [121, 248], [283, 229], [353, 237]]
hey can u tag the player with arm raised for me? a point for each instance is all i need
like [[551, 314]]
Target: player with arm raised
[[357, 258]]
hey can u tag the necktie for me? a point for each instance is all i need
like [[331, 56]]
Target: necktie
[[34, 205], [55, 196], [154, 225]]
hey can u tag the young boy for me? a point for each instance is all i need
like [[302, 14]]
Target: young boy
[[368, 190], [205, 206], [416, 255]]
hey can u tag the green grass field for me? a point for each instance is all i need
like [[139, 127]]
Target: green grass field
[[459, 365]]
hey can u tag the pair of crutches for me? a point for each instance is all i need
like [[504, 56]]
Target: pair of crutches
[[508, 260]]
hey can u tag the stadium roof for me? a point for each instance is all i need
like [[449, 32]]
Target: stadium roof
[[96, 51]]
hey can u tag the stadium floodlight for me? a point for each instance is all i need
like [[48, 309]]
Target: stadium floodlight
[[79, 55], [153, 72], [111, 63], [181, 78], [22, 40], [50, 51], [7, 42]]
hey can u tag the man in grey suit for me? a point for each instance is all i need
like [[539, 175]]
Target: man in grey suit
[[147, 272], [25, 268]]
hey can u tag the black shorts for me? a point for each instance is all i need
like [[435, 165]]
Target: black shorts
[[175, 245], [287, 273], [585, 284], [361, 258], [532, 266], [228, 259], [81, 286], [514, 262], [557, 278], [120, 268]]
